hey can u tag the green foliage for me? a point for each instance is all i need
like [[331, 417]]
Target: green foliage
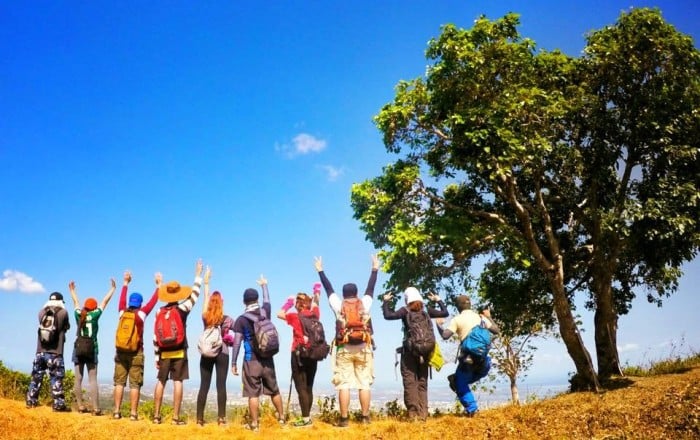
[[571, 175], [327, 411], [14, 385], [679, 360]]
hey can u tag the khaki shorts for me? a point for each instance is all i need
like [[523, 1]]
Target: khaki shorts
[[129, 365], [174, 369], [354, 368]]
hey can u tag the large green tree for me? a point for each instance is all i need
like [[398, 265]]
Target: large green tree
[[567, 168]]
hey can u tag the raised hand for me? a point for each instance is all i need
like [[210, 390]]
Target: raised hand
[[71, 286], [158, 278], [262, 281], [113, 283], [388, 296], [127, 277], [318, 264], [198, 268], [207, 275], [433, 297], [375, 262]]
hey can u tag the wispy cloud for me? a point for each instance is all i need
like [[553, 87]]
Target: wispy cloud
[[332, 173], [13, 280], [629, 347], [302, 144]]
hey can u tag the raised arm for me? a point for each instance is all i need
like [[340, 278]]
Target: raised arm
[[372, 276], [387, 310], [189, 303], [125, 289], [71, 289], [262, 281], [492, 326], [158, 277], [207, 276], [444, 332], [110, 292], [437, 313], [282, 313], [318, 264]]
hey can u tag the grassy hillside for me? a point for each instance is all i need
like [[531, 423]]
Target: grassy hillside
[[665, 406]]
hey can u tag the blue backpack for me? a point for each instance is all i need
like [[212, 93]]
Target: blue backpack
[[477, 343]]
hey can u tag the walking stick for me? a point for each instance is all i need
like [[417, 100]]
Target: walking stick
[[289, 398]]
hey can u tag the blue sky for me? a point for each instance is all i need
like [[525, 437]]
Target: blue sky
[[146, 135]]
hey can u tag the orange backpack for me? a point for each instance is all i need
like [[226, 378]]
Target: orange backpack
[[353, 327]]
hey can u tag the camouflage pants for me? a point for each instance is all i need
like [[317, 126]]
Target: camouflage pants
[[52, 364]]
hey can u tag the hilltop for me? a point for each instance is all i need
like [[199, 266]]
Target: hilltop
[[660, 407]]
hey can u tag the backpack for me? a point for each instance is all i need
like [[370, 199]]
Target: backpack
[[266, 341], [48, 333], [84, 348], [169, 328], [353, 326], [316, 347], [419, 337], [477, 343], [127, 338], [210, 342]]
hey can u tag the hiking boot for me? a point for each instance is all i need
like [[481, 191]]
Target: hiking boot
[[252, 427], [343, 422], [302, 422], [365, 420]]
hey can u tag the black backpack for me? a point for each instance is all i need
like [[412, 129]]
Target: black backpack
[[317, 348], [419, 338], [48, 331]]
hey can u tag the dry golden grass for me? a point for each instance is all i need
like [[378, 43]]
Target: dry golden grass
[[658, 407]]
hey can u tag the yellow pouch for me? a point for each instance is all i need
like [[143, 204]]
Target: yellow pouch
[[177, 354], [436, 361]]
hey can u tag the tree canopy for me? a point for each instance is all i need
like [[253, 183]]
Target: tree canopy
[[579, 174]]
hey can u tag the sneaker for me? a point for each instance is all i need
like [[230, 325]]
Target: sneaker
[[365, 420], [343, 422], [302, 422], [252, 427]]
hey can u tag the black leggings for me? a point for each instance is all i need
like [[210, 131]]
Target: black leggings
[[303, 374], [206, 367]]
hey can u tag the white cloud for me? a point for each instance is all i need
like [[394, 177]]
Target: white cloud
[[629, 347], [13, 280], [302, 144], [332, 173]]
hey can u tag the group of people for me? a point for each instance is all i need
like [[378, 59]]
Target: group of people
[[352, 347]]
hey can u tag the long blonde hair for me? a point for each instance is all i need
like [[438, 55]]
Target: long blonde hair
[[215, 310]]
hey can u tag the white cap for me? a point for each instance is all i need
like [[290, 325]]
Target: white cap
[[412, 294]]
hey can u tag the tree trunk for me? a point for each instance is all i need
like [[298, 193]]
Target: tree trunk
[[605, 320], [514, 395], [586, 376]]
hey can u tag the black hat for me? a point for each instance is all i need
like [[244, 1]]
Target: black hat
[[250, 296], [56, 296], [349, 290]]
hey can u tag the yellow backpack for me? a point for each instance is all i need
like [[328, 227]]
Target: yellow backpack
[[127, 339]]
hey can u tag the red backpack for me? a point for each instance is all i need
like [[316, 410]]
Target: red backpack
[[169, 328]]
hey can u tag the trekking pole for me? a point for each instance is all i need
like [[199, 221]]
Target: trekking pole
[[289, 397]]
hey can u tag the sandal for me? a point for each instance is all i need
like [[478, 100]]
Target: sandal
[[178, 422], [83, 410], [157, 420], [117, 415], [133, 417]]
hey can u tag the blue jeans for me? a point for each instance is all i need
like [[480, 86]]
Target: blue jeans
[[52, 364], [466, 375]]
